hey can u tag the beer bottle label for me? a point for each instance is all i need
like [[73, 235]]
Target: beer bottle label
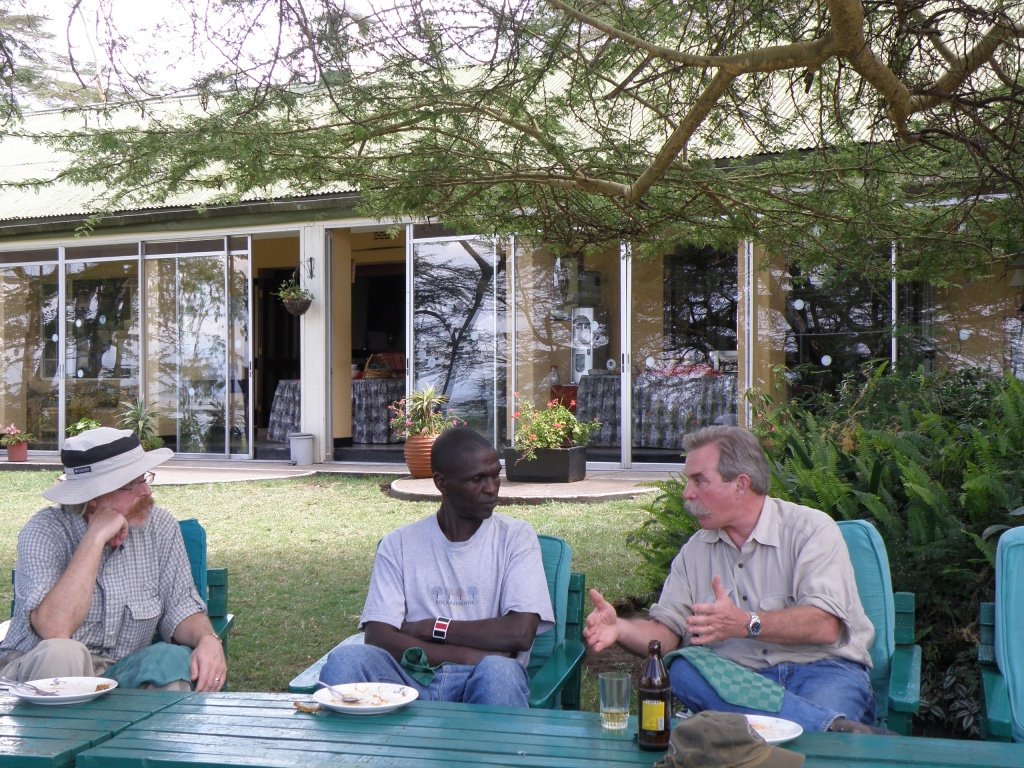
[[652, 715]]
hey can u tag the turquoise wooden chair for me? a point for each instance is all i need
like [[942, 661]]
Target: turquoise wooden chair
[[1001, 629], [211, 583], [896, 659], [556, 659]]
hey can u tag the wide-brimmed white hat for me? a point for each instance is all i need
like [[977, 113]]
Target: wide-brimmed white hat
[[99, 461]]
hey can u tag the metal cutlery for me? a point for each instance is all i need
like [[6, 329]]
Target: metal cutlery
[[348, 698], [27, 686]]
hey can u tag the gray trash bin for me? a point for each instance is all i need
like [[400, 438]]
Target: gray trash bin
[[301, 445]]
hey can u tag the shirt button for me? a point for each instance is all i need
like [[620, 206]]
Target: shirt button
[[764, 651], [744, 598], [740, 565]]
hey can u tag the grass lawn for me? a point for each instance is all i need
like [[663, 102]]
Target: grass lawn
[[299, 553]]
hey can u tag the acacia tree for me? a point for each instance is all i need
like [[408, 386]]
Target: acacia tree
[[823, 127]]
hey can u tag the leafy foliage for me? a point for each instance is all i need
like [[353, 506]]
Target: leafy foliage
[[665, 528], [597, 122], [82, 425], [12, 435], [554, 426], [141, 419], [422, 414]]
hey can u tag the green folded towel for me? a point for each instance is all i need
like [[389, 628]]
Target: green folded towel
[[414, 660], [159, 664], [734, 684]]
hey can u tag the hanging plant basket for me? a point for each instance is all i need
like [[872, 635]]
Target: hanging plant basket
[[296, 306]]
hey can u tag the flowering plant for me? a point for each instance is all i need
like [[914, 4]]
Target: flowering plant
[[553, 427], [11, 435], [421, 414], [290, 290]]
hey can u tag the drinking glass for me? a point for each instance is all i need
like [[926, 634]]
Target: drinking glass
[[615, 691]]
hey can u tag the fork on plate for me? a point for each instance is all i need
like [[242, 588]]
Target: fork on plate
[[27, 686]]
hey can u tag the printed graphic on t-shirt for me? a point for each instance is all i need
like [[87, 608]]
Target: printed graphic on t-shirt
[[443, 596]]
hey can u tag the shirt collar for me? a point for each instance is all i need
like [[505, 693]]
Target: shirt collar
[[766, 531]]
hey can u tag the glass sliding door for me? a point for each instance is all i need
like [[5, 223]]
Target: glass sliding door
[[567, 338], [457, 341], [197, 344], [684, 348], [101, 332], [29, 343]]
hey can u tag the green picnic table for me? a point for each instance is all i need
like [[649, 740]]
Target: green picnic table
[[51, 736], [266, 731]]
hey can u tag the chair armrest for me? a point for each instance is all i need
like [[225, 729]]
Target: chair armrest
[[222, 626], [547, 683], [995, 721], [306, 681], [905, 679]]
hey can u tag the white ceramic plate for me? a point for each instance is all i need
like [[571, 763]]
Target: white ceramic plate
[[375, 698], [69, 690], [774, 730]]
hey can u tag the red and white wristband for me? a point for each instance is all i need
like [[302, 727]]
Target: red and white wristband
[[441, 624]]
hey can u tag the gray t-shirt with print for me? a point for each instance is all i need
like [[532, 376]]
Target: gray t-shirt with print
[[420, 574]]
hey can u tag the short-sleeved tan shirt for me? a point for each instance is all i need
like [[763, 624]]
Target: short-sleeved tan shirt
[[794, 556]]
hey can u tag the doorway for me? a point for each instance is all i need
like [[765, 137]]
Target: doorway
[[278, 359]]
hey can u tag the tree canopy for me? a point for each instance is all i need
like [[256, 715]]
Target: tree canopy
[[818, 129]]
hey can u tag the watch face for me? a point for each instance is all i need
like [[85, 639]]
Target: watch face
[[755, 626]]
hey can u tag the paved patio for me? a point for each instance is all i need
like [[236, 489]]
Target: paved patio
[[599, 485]]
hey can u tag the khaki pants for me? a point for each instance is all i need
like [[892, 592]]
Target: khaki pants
[[60, 657]]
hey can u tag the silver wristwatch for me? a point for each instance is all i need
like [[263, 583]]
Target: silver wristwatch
[[754, 627]]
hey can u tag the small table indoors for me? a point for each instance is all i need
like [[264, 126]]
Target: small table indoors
[[264, 729], [44, 736], [371, 419], [285, 410]]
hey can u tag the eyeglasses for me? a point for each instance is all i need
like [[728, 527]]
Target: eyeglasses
[[147, 478]]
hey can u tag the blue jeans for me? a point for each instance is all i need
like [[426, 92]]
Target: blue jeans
[[496, 680], [816, 693]]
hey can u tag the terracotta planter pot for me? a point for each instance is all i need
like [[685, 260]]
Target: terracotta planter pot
[[17, 452], [549, 465], [417, 454]]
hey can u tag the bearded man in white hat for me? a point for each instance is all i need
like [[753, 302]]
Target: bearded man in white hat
[[104, 571]]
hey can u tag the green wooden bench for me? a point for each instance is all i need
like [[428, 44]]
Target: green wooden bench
[[211, 583], [896, 659], [556, 659], [1000, 630]]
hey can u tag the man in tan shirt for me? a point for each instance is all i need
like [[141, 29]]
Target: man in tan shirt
[[766, 584]]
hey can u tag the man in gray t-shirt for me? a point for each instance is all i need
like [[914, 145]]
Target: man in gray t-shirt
[[456, 599]]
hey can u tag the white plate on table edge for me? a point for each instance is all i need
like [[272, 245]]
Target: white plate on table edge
[[774, 730], [380, 698], [69, 690]]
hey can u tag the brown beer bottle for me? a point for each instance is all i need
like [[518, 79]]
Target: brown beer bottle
[[654, 699]]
